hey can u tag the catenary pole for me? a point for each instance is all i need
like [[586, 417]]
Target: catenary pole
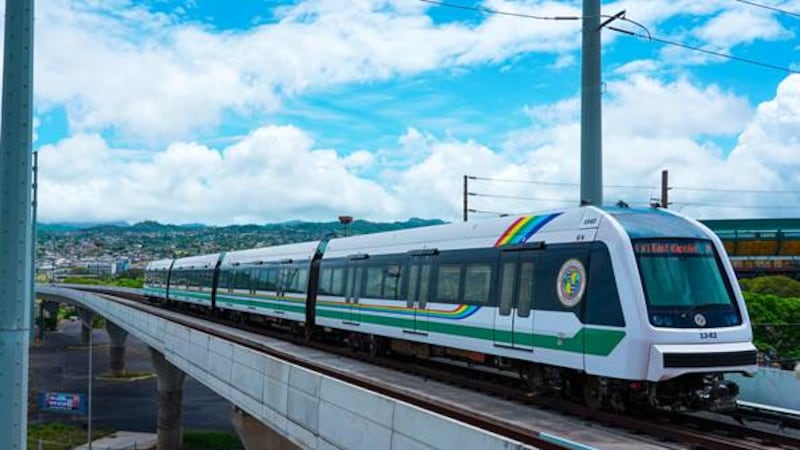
[[665, 188], [15, 222], [591, 119], [466, 211]]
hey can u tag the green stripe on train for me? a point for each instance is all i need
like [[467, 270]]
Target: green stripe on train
[[590, 341]]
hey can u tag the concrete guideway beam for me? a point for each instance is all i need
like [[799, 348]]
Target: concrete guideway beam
[[170, 402], [257, 436], [118, 335], [310, 410]]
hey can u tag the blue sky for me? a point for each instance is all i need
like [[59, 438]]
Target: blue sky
[[202, 111]]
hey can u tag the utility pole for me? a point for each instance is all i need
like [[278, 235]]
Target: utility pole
[[591, 107], [466, 211], [665, 188], [15, 222]]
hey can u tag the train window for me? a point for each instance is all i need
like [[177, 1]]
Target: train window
[[412, 285], [301, 281], [337, 281], [229, 278], [477, 281], [525, 292], [260, 279], [393, 282], [242, 279], [374, 282], [325, 276], [295, 280], [507, 288], [424, 281], [448, 285]]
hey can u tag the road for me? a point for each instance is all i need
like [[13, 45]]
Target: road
[[60, 365]]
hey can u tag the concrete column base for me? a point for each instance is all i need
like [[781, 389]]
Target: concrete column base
[[170, 402], [87, 317], [257, 436], [117, 349], [117, 362]]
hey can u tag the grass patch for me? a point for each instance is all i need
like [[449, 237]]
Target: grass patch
[[59, 435], [211, 440]]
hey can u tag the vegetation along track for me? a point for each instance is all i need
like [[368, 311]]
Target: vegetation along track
[[691, 430]]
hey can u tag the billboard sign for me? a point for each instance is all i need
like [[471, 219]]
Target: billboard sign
[[63, 402]]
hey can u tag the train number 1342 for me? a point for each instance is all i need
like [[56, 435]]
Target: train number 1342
[[708, 335]]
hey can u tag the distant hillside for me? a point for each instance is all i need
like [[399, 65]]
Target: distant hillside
[[357, 227], [151, 240], [72, 226]]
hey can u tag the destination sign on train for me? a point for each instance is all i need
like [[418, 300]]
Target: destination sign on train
[[673, 248]]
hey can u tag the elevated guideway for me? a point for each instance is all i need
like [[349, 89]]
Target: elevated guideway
[[760, 246], [279, 398]]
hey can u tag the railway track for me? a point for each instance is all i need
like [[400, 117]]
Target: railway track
[[691, 430]]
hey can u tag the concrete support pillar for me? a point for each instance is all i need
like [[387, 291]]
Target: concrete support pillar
[[51, 308], [117, 349], [87, 317], [257, 436], [170, 402]]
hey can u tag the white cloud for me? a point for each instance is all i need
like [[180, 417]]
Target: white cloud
[[734, 27], [276, 173], [151, 77], [117, 66], [272, 174]]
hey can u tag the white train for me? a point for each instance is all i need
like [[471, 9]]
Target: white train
[[624, 306]]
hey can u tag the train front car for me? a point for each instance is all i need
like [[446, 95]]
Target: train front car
[[691, 325]]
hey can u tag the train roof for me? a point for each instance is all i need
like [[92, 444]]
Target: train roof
[[656, 223], [197, 262], [300, 251], [462, 235], [161, 264], [636, 222]]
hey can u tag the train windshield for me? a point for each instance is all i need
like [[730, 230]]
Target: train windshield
[[684, 284]]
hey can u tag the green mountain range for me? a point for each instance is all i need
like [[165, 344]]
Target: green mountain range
[[150, 240]]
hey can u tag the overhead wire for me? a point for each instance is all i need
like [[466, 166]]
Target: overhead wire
[[735, 191], [484, 211], [497, 12], [646, 35], [483, 9], [704, 50], [720, 205], [513, 197], [770, 7], [551, 183]]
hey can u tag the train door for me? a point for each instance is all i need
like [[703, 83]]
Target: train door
[[419, 288], [352, 293], [514, 317]]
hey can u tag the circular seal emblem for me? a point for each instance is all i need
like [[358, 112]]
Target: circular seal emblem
[[571, 283], [700, 320]]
